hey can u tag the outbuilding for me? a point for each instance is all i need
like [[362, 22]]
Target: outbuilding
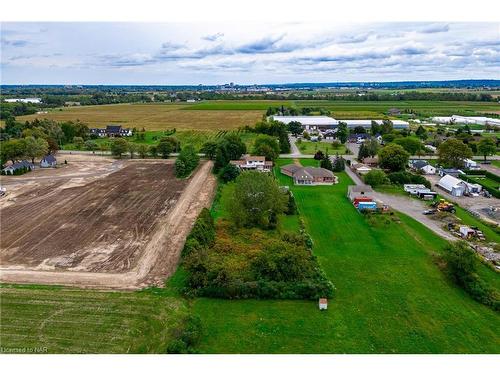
[[48, 161], [323, 304], [452, 185]]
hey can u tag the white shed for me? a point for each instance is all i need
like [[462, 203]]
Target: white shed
[[452, 185], [323, 304]]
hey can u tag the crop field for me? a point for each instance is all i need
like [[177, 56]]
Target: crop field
[[60, 320], [153, 116]]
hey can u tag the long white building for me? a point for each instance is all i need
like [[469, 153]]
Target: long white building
[[474, 120], [326, 122]]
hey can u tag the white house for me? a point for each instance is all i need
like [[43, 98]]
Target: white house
[[48, 161], [18, 165], [248, 162], [452, 185], [423, 166]]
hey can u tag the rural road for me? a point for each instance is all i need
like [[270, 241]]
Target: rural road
[[406, 205]]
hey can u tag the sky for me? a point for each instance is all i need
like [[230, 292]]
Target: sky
[[246, 53]]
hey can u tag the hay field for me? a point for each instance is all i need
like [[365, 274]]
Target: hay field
[[153, 116]]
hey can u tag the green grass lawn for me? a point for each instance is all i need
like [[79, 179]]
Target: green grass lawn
[[390, 297], [310, 148], [83, 321]]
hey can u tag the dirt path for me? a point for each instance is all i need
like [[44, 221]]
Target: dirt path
[[158, 260], [408, 206]]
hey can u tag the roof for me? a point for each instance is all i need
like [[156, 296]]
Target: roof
[[323, 300], [307, 120], [359, 189], [419, 163], [319, 172], [113, 128], [20, 164], [370, 160], [254, 158], [49, 158], [298, 171], [291, 168], [448, 182]]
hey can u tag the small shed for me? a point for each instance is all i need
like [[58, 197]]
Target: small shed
[[354, 191], [48, 161], [452, 185], [323, 304]]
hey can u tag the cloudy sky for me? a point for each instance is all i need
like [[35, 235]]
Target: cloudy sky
[[246, 53]]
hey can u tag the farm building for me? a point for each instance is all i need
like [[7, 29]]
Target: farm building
[[309, 175], [258, 163], [452, 185], [48, 161], [11, 169], [24, 100], [476, 120], [356, 191], [309, 122]]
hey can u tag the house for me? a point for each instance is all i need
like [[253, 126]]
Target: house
[[394, 111], [248, 162], [17, 166], [470, 164], [453, 185], [48, 161], [451, 171], [309, 175], [323, 304], [356, 191], [112, 131], [360, 168], [371, 162], [423, 166]]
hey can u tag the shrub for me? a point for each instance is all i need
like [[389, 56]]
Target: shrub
[[187, 336], [375, 178], [319, 155], [291, 208], [400, 178], [229, 173], [186, 162]]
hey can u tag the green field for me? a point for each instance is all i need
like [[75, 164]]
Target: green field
[[391, 297], [82, 321], [310, 148]]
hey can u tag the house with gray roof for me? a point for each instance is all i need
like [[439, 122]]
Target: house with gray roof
[[18, 166], [309, 175], [48, 161]]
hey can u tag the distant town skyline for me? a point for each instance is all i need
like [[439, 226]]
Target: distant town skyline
[[246, 53]]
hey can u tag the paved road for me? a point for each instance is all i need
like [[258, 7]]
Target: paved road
[[408, 206]]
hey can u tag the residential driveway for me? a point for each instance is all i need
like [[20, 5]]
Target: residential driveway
[[480, 205], [408, 206]]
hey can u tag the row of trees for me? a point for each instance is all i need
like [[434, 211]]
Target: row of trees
[[17, 149]]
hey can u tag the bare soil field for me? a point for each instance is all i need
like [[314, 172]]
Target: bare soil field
[[123, 229], [153, 116]]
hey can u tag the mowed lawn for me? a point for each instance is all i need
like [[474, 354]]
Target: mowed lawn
[[153, 116], [391, 297], [83, 321]]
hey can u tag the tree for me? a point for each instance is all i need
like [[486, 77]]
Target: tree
[[372, 146], [319, 155], [78, 142], [11, 150], [167, 145], [119, 146], [376, 177], [229, 173], [411, 145], [230, 147], [132, 149], [186, 162], [486, 146], [338, 164], [386, 127], [453, 152], [53, 146], [393, 157], [142, 150], [359, 130], [342, 132], [295, 128], [363, 152], [209, 148], [267, 146], [256, 200], [326, 163], [91, 145], [34, 148], [375, 128], [421, 132]]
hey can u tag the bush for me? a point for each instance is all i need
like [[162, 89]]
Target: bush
[[291, 208], [229, 173], [186, 162], [376, 177], [202, 234], [401, 178], [187, 336], [461, 263]]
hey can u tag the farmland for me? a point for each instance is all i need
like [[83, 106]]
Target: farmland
[[152, 117], [391, 297], [232, 114], [116, 231]]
